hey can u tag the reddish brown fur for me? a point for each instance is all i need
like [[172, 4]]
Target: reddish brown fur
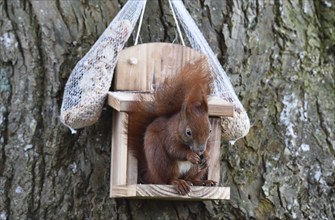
[[157, 131]]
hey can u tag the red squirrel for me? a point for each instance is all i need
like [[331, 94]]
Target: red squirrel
[[170, 135]]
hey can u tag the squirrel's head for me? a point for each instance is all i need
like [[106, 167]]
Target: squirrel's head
[[194, 126]]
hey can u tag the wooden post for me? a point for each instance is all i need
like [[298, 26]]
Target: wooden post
[[214, 164], [119, 151]]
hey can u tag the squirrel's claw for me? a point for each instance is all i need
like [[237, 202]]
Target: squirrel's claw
[[181, 186], [204, 161], [193, 158], [204, 182]]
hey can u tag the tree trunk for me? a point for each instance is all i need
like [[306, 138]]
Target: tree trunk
[[279, 56]]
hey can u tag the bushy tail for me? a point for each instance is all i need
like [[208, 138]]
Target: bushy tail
[[173, 91], [167, 100]]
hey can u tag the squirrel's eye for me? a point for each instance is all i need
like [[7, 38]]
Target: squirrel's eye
[[210, 130], [188, 132]]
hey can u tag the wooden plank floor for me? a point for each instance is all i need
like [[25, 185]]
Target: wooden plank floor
[[152, 191]]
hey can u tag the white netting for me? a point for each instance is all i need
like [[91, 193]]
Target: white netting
[[239, 125], [88, 84]]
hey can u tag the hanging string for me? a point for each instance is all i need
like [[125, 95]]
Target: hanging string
[[140, 24], [177, 24], [174, 17]]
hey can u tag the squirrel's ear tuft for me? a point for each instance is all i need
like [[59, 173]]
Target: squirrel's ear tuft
[[204, 102], [197, 100], [183, 111], [200, 107]]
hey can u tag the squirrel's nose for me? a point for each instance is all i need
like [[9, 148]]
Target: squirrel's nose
[[200, 149]]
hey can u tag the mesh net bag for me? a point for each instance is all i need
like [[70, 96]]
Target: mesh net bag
[[233, 127], [86, 89]]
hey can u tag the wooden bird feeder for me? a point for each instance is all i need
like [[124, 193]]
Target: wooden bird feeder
[[140, 68]]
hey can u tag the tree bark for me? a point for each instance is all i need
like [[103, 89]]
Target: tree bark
[[279, 56]]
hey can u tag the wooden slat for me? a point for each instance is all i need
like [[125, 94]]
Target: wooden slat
[[148, 64], [119, 152], [131, 169], [151, 191], [215, 139], [120, 101], [219, 107], [123, 191], [216, 106]]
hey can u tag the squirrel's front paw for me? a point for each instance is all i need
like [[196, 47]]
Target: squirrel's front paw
[[209, 183], [193, 158], [204, 161], [203, 182], [183, 187]]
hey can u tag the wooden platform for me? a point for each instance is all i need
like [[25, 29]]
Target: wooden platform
[[151, 191]]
